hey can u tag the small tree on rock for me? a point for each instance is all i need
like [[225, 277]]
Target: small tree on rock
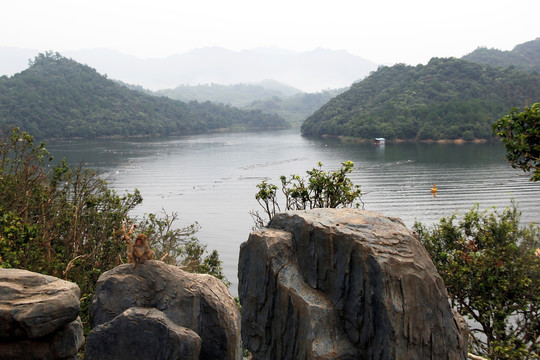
[[319, 189]]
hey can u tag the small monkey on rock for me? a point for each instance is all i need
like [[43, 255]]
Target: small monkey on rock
[[140, 251]]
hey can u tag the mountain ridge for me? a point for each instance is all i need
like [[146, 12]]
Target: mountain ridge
[[525, 56]]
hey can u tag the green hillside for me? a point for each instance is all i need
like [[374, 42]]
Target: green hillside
[[57, 97], [445, 99], [525, 56]]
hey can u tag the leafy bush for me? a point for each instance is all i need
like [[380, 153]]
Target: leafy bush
[[520, 133], [492, 274]]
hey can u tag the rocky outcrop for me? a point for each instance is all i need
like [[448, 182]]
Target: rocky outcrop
[[142, 333], [154, 302], [344, 284], [38, 316]]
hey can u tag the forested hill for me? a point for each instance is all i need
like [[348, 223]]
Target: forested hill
[[57, 97], [524, 56], [445, 99]]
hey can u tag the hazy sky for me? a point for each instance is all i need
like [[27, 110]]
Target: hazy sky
[[383, 31]]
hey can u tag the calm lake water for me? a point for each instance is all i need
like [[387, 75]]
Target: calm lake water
[[212, 178]]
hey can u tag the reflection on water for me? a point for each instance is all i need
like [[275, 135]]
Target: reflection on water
[[211, 178]]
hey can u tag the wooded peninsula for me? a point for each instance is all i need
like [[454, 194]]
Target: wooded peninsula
[[448, 98]]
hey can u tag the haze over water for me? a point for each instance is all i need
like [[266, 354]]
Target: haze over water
[[212, 178]]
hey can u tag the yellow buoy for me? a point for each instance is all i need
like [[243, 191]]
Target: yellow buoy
[[434, 188]]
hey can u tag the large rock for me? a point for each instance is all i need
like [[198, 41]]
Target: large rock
[[64, 343], [38, 316], [344, 284], [197, 302], [142, 333]]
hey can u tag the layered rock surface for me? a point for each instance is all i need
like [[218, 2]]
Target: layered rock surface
[[38, 316], [344, 284], [195, 312], [142, 333]]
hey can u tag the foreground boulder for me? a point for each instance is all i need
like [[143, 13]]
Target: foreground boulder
[[38, 316], [344, 284], [142, 333], [195, 312]]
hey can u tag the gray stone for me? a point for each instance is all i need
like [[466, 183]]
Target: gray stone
[[33, 305], [197, 302], [140, 333], [61, 344], [344, 284], [68, 340], [38, 316]]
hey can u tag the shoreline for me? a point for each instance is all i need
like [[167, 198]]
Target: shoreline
[[354, 140], [143, 136]]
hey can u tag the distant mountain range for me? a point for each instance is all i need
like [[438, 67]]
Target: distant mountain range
[[240, 95], [445, 99], [309, 71]]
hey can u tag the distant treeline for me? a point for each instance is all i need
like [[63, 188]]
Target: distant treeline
[[57, 97], [445, 99], [270, 97], [239, 95]]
